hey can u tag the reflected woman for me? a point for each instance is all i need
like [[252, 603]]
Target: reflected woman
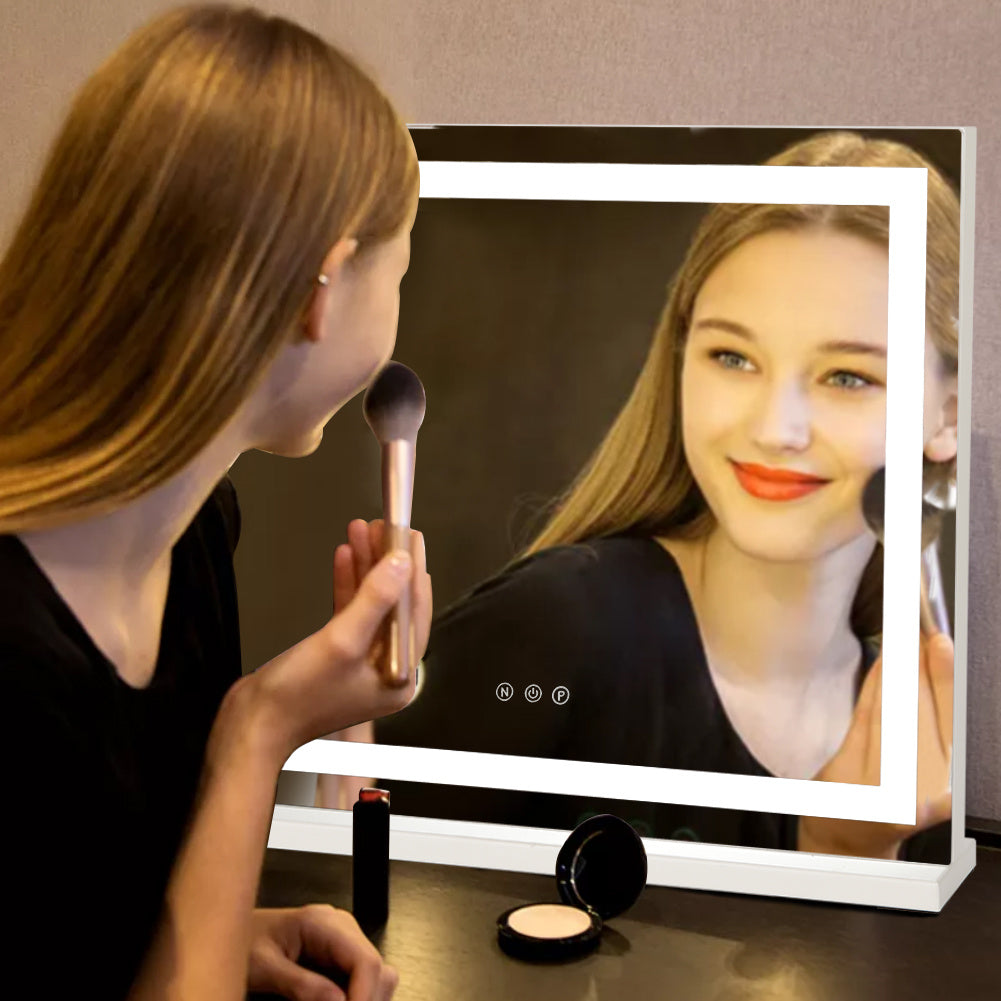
[[708, 590]]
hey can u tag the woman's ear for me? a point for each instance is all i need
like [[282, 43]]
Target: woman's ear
[[327, 285], [943, 444]]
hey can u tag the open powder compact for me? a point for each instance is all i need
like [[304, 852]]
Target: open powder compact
[[600, 872]]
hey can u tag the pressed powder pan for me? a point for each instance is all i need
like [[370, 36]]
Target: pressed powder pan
[[600, 872]]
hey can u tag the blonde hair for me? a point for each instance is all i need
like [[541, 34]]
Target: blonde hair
[[171, 247], [638, 481]]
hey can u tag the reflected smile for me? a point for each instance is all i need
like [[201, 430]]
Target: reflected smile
[[773, 484]]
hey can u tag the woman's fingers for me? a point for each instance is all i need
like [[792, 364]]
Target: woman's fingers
[[377, 539], [333, 937], [345, 583], [294, 981], [870, 705], [421, 594], [863, 743], [422, 598], [936, 810], [361, 545], [354, 559], [928, 739], [352, 631], [941, 674], [388, 981]]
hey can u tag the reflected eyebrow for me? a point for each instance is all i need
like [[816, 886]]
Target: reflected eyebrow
[[829, 347], [854, 348], [727, 326]]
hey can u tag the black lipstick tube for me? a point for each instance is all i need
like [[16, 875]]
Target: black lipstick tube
[[370, 859]]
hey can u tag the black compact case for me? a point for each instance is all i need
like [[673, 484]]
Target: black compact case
[[600, 870]]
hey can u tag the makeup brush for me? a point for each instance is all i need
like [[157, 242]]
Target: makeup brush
[[934, 616], [942, 496], [394, 406]]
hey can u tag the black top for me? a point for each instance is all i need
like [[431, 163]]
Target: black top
[[101, 776], [612, 622]]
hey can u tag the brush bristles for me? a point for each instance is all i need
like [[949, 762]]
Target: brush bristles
[[874, 510], [394, 404], [874, 502]]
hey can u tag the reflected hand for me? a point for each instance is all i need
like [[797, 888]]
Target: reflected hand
[[328, 938], [858, 761]]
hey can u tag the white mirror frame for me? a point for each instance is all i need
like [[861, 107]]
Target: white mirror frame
[[729, 868]]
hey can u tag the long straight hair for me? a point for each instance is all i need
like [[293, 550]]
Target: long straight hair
[[171, 245], [638, 481]]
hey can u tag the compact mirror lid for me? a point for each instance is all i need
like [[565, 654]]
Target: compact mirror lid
[[602, 866]]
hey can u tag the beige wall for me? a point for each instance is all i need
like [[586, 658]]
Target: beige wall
[[706, 62]]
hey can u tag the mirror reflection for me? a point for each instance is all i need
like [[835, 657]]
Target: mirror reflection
[[647, 505]]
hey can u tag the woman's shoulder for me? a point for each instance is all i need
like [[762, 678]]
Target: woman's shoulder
[[593, 564], [30, 620], [42, 659], [41, 640], [586, 583], [221, 511]]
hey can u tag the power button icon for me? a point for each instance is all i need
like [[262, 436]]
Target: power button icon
[[504, 691], [533, 693]]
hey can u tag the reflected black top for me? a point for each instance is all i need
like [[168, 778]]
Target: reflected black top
[[610, 621], [101, 776]]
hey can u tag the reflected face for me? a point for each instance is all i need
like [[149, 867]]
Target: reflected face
[[314, 379], [784, 390]]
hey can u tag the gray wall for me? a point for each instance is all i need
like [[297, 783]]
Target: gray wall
[[711, 62]]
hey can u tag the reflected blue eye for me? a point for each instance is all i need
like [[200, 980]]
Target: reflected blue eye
[[848, 380], [730, 359]]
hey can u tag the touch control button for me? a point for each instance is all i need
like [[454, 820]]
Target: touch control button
[[561, 695], [533, 693], [505, 691]]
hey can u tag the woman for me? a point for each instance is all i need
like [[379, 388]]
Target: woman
[[708, 591], [210, 263]]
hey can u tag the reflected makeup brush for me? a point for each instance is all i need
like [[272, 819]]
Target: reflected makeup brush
[[934, 615], [394, 406]]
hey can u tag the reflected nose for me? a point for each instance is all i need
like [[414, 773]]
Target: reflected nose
[[783, 419]]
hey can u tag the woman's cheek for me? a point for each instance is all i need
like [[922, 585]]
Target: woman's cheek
[[860, 435]]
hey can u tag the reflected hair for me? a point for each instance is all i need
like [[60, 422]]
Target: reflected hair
[[171, 246], [638, 480]]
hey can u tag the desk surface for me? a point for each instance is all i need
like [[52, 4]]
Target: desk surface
[[678, 944]]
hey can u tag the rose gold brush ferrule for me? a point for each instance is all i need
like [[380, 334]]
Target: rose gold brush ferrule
[[399, 643]]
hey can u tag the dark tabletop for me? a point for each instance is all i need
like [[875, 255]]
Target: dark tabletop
[[673, 944]]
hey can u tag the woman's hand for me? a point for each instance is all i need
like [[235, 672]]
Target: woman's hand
[[329, 681], [858, 759], [354, 559], [352, 562], [329, 939]]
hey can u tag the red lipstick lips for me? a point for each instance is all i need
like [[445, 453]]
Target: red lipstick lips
[[767, 483]]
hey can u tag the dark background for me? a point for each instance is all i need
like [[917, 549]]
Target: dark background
[[527, 323]]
